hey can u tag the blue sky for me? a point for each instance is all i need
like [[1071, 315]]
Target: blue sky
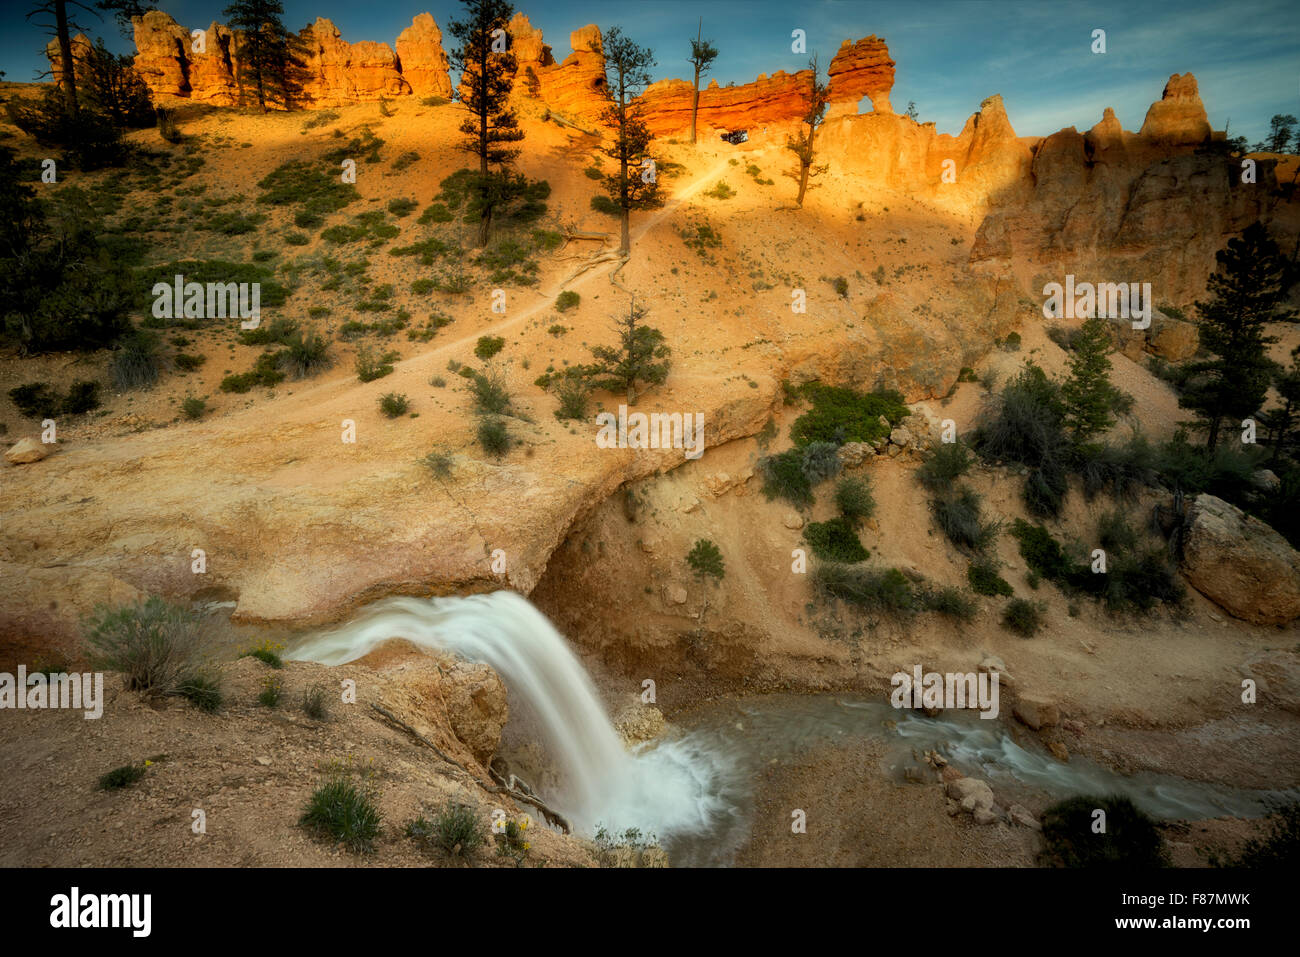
[[951, 54]]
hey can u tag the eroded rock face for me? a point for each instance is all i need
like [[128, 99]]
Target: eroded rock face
[[778, 101], [861, 69], [423, 63], [335, 72], [1178, 117], [1241, 564], [574, 88]]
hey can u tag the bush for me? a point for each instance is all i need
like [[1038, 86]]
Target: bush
[[305, 355], [370, 366], [89, 138], [1028, 429], [393, 404], [1022, 617], [439, 463], [194, 407], [835, 541], [949, 462], [315, 702], [401, 207], [706, 559], [37, 400], [122, 777], [202, 689], [267, 653], [566, 300], [488, 346], [985, 579], [603, 204], [841, 286], [573, 393], [783, 477], [1114, 533], [1122, 469], [1139, 582], [272, 690], [841, 415], [958, 516], [821, 461], [265, 371], [489, 392], [82, 397], [720, 191], [344, 812], [493, 437], [950, 601], [1041, 552], [136, 363], [878, 590], [456, 829], [1131, 840], [153, 644], [854, 499]]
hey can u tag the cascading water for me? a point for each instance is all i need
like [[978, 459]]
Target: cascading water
[[671, 789]]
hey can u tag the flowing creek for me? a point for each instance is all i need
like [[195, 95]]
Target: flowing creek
[[693, 788]]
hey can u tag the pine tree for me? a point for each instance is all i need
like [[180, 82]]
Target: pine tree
[[112, 86], [487, 71], [804, 144], [270, 56], [703, 53], [124, 10], [640, 356], [1087, 392], [633, 184], [61, 28], [1281, 421], [1247, 290]]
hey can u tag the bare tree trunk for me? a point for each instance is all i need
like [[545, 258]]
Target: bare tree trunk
[[69, 79], [803, 183], [695, 103]]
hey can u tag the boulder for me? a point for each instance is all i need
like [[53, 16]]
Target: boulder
[[1036, 712], [1021, 815], [970, 793], [27, 449], [853, 454], [1241, 564], [902, 437]]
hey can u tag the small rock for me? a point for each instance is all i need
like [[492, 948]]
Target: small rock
[[677, 594], [792, 520], [1058, 751], [264, 762], [1036, 712], [1020, 815], [1073, 726], [900, 437], [26, 450], [984, 815], [970, 793]]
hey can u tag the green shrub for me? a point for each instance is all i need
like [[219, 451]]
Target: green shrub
[[82, 397], [315, 702], [393, 404], [439, 463], [603, 204], [1114, 533], [137, 362], [705, 559], [277, 332], [36, 400], [1138, 582], [493, 437], [854, 499], [341, 810], [1041, 551], [422, 287], [958, 516], [573, 393], [193, 407], [1022, 617], [305, 355], [873, 589], [949, 601], [402, 207], [202, 689], [947, 463], [567, 300], [841, 415], [489, 392], [152, 643], [783, 477], [122, 777], [370, 366], [984, 579], [488, 346], [272, 691], [1028, 429], [455, 828], [835, 541], [720, 191], [821, 461], [841, 286], [1131, 840]]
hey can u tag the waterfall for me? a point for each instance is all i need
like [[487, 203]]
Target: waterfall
[[669, 790]]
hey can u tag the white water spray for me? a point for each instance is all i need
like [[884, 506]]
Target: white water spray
[[669, 790]]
